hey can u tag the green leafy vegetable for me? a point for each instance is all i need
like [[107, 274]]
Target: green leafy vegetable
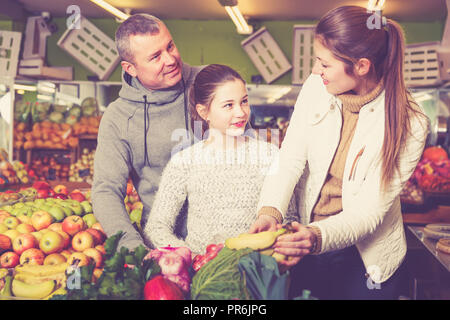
[[117, 280], [220, 279], [263, 277]]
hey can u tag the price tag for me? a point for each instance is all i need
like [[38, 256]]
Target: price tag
[[84, 172]]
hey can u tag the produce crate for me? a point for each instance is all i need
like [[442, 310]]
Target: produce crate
[[91, 47], [303, 53], [422, 66], [266, 55], [9, 52]]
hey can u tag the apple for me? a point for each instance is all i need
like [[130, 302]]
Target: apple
[[99, 237], [43, 193], [3, 215], [96, 273], [3, 228], [5, 243], [86, 206], [12, 233], [40, 185], [79, 259], [11, 222], [82, 240], [90, 219], [9, 259], [37, 234], [55, 226], [41, 219], [61, 196], [32, 256], [67, 210], [95, 255], [57, 212], [137, 205], [73, 224], [101, 248], [51, 242], [66, 253], [66, 237], [23, 242], [61, 189], [76, 208], [25, 218], [54, 258], [98, 226], [25, 228], [77, 195]]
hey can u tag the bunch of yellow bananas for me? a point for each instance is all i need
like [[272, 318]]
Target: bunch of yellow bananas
[[39, 281]]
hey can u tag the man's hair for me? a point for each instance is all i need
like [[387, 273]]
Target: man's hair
[[140, 23]]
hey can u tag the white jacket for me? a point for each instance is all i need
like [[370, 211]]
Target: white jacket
[[370, 219]]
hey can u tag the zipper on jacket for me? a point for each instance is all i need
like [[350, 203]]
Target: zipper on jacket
[[355, 164]]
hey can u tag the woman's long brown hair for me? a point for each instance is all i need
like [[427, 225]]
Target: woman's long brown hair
[[349, 34]]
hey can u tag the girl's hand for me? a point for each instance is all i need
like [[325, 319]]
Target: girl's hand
[[295, 245], [264, 223]]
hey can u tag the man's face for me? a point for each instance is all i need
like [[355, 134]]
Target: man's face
[[157, 62]]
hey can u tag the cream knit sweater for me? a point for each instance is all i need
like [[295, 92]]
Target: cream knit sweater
[[222, 188]]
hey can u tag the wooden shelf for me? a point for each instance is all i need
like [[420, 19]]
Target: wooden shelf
[[438, 214]]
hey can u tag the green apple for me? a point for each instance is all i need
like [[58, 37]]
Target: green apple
[[57, 212], [39, 202], [45, 207], [77, 209], [89, 219], [29, 203], [11, 222], [18, 205], [7, 208], [86, 206], [135, 216]]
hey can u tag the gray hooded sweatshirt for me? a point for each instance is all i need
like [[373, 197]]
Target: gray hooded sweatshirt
[[131, 144]]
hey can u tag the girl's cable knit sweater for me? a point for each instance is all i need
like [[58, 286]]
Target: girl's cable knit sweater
[[222, 188]]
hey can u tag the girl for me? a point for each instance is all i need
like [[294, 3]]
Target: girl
[[354, 138], [221, 176]]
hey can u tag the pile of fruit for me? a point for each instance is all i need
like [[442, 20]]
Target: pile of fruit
[[50, 167], [133, 205], [83, 169], [13, 173], [41, 239], [431, 176]]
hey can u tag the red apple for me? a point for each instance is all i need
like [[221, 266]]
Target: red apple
[[98, 226], [11, 222], [51, 242], [32, 256], [3, 215], [79, 259], [82, 240], [24, 219], [66, 253], [73, 224], [23, 242], [25, 228], [43, 193], [101, 248], [12, 234], [61, 189], [5, 243], [99, 237], [40, 185], [54, 258], [66, 237], [9, 259], [41, 220], [55, 226], [60, 196], [95, 255], [78, 196]]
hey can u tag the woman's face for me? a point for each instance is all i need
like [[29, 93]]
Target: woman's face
[[332, 70], [229, 111]]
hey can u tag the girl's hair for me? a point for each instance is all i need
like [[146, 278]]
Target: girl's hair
[[204, 88], [345, 32]]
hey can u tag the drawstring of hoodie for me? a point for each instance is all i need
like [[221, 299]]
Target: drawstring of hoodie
[[146, 127]]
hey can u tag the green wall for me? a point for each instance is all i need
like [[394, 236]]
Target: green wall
[[204, 42]]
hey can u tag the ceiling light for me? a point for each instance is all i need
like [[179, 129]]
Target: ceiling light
[[375, 5], [105, 5], [24, 87], [279, 94]]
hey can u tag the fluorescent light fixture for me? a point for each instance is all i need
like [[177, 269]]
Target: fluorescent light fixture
[[375, 5], [44, 97], [111, 9], [24, 87], [236, 15]]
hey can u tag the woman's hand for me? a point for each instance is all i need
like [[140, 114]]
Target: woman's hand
[[264, 223], [295, 245]]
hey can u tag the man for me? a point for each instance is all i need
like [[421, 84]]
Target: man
[[136, 135]]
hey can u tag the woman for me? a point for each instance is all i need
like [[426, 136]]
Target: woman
[[221, 176], [354, 138]]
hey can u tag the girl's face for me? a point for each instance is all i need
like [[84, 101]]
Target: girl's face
[[229, 111], [332, 71]]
